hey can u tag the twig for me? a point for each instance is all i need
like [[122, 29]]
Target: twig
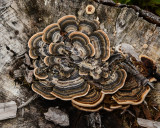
[[125, 110], [28, 101]]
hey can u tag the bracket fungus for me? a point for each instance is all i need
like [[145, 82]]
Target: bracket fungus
[[73, 61]]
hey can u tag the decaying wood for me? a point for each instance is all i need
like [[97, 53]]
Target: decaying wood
[[29, 76], [94, 120], [20, 19], [8, 110], [146, 112], [145, 14], [148, 123]]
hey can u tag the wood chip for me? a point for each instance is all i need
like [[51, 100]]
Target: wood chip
[[8, 110], [57, 116], [148, 123]]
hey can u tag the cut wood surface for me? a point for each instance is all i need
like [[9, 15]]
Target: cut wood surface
[[8, 110], [20, 19]]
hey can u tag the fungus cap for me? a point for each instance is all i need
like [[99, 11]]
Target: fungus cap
[[68, 23], [91, 99], [35, 40], [38, 73], [132, 93], [87, 26], [116, 82], [90, 9], [43, 90], [51, 33], [101, 43]]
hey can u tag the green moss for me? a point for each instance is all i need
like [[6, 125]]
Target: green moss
[[150, 5]]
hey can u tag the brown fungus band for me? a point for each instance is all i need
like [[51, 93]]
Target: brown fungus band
[[72, 61]]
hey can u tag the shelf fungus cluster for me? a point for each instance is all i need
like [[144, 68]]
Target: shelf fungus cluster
[[73, 61]]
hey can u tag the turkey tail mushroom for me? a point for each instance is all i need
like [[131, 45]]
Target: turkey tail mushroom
[[68, 93], [43, 89], [149, 64], [36, 41], [88, 27], [51, 33], [40, 73], [68, 23], [107, 104], [83, 41], [72, 60], [88, 109], [115, 82], [33, 53], [134, 99], [132, 93], [92, 99], [71, 88], [101, 43], [57, 48], [38, 64]]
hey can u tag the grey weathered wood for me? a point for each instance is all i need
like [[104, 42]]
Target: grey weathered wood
[[57, 116], [148, 123], [94, 120], [8, 110], [20, 19]]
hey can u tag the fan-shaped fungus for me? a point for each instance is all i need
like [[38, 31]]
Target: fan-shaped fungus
[[131, 93], [43, 88], [72, 61]]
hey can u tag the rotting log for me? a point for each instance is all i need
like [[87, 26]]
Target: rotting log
[[20, 19]]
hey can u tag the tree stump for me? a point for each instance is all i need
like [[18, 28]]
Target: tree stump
[[20, 19]]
